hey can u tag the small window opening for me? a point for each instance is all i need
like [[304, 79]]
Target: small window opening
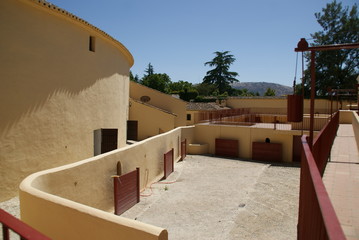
[[188, 117], [92, 44]]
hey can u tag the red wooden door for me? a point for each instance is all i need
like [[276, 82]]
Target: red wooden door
[[226, 147]]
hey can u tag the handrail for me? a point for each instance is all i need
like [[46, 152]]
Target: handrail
[[317, 218], [323, 143], [25, 231]]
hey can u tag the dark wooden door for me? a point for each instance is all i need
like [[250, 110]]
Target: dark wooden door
[[132, 130], [108, 140]]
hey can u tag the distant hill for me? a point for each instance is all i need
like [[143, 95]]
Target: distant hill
[[261, 87]]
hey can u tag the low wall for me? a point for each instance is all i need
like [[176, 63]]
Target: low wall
[[345, 116], [355, 123], [197, 148], [205, 133], [279, 105], [75, 201]]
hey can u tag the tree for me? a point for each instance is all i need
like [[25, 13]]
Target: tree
[[336, 68], [220, 75], [188, 94], [158, 81], [134, 78], [269, 92], [205, 89], [149, 70], [180, 85]]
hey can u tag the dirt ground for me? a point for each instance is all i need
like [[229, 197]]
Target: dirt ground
[[215, 198]]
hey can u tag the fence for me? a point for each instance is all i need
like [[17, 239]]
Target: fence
[[323, 143], [317, 218], [23, 230], [246, 117], [209, 116]]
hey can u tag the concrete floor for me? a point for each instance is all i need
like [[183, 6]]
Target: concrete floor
[[341, 179], [216, 198]]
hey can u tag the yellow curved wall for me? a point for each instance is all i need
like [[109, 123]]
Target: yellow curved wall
[[55, 91], [151, 121], [75, 201], [162, 101]]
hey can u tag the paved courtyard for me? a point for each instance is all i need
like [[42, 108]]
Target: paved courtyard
[[215, 198]]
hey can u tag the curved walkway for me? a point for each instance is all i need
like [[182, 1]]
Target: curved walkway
[[341, 179]]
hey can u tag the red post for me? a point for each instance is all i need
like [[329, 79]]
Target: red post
[[115, 187], [138, 184], [312, 96], [5, 232], [331, 105]]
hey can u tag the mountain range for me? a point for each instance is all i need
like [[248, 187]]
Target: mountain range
[[261, 87]]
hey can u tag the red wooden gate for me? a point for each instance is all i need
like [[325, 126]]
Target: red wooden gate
[[226, 148], [263, 151], [126, 191], [168, 163]]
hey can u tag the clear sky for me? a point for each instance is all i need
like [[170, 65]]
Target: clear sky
[[178, 36]]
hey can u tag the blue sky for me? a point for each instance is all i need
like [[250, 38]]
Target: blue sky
[[178, 37]]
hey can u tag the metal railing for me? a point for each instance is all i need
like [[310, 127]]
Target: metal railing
[[216, 115], [246, 117], [10, 222], [323, 143], [317, 218]]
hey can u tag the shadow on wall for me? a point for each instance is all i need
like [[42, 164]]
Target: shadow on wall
[[43, 55]]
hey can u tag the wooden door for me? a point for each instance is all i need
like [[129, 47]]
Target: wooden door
[[108, 140], [132, 130]]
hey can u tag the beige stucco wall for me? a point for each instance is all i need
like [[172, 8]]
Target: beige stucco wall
[[268, 105], [151, 121], [160, 100], [55, 201], [279, 105], [55, 92], [245, 135], [193, 116]]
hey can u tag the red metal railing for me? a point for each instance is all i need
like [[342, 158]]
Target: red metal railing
[[317, 218], [323, 143], [10, 222], [209, 116]]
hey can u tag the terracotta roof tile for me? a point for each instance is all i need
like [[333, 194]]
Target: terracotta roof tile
[[200, 106]]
